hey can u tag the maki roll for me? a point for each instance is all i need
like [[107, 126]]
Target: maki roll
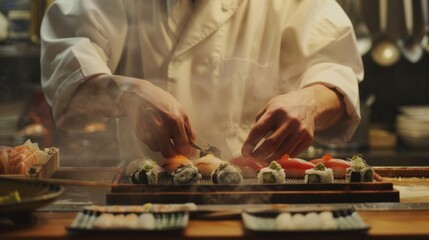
[[319, 174], [272, 174], [186, 174], [359, 171], [227, 174], [144, 172]]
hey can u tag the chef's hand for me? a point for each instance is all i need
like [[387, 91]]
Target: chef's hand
[[287, 123], [157, 118]]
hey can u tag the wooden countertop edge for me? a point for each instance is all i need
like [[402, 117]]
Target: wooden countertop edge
[[384, 225]]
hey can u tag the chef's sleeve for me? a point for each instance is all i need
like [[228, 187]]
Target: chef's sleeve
[[321, 48], [80, 39]]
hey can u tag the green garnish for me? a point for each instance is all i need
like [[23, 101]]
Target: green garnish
[[320, 167], [357, 162], [275, 166], [12, 197], [147, 165]]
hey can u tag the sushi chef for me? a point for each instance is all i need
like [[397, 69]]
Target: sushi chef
[[258, 78]]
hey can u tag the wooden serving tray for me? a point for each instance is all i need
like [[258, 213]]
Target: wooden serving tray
[[249, 192]]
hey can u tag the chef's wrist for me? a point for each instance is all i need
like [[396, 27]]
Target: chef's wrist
[[330, 106]]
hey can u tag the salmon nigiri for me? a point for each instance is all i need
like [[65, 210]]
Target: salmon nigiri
[[175, 162], [338, 166], [294, 167]]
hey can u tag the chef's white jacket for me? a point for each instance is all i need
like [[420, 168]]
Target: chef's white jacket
[[221, 59]]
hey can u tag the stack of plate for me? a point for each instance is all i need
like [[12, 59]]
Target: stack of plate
[[412, 126]]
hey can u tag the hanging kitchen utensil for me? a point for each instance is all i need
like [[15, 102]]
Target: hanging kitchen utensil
[[385, 52], [425, 40], [410, 46], [363, 36]]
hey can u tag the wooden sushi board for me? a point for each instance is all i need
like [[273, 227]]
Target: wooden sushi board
[[249, 192]]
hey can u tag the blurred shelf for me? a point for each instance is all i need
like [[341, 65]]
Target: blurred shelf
[[19, 51]]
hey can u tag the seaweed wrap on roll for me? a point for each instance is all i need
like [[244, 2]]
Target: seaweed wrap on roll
[[272, 174], [319, 174], [359, 171], [186, 174], [143, 172], [227, 174]]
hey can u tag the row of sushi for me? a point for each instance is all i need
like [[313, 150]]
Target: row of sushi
[[184, 171], [306, 221], [134, 217]]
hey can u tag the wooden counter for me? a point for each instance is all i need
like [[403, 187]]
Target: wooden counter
[[384, 225]]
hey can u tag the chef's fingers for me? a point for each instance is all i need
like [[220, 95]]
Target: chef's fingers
[[304, 144], [304, 139], [180, 138], [260, 114], [273, 142], [261, 128], [161, 132], [290, 143], [146, 134], [190, 132], [166, 145]]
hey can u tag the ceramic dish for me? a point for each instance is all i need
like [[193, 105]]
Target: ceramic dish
[[33, 194]]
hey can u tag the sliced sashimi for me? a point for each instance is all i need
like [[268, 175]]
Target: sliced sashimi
[[338, 166], [294, 167]]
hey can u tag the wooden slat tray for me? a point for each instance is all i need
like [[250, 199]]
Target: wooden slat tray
[[294, 191]]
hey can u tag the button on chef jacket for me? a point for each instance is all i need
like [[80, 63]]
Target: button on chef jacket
[[221, 59]]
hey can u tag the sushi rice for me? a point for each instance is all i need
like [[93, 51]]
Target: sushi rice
[[227, 174], [272, 174], [319, 174], [186, 174]]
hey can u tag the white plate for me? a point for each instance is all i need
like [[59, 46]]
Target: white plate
[[415, 111]]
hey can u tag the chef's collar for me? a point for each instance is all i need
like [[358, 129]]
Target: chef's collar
[[178, 14]]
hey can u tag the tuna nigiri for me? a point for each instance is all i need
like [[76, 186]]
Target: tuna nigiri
[[249, 166], [294, 167], [338, 166]]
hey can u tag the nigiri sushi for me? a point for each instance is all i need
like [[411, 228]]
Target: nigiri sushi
[[319, 174], [272, 174], [175, 162], [359, 170], [186, 174], [338, 166], [249, 166], [227, 174], [207, 164], [294, 167]]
